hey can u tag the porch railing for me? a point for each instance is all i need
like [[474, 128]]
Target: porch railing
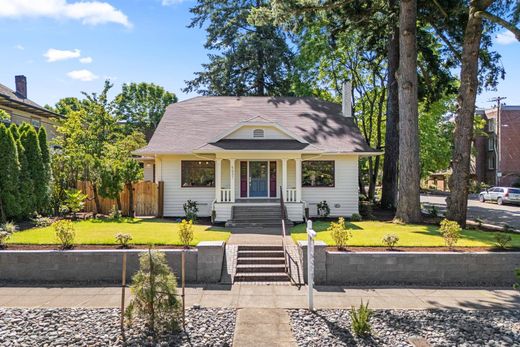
[[291, 195], [225, 195]]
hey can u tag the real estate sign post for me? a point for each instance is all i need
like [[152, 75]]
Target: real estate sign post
[[311, 234]]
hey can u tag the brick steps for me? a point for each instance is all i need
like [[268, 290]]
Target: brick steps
[[260, 264]]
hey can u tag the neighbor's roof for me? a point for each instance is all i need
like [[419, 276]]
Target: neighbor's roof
[[194, 124], [10, 98]]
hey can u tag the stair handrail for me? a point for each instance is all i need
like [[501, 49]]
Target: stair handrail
[[282, 208]]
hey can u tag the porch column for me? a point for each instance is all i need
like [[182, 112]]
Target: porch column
[[284, 179], [218, 179], [232, 178], [298, 163]]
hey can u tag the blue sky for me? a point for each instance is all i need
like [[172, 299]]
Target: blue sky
[[65, 47]]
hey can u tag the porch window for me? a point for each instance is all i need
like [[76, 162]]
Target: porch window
[[196, 173], [318, 173]]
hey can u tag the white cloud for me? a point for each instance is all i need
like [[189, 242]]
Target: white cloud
[[88, 12], [82, 75], [506, 38], [19, 47], [171, 2], [53, 54], [85, 60]]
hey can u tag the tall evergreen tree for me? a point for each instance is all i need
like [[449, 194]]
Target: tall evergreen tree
[[46, 161], [13, 128], [36, 168], [251, 59], [9, 170], [25, 184]]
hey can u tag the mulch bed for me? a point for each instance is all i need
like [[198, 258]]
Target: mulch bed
[[423, 249]]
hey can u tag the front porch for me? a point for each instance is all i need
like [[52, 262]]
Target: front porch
[[258, 182]]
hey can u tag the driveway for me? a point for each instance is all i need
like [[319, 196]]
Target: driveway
[[489, 212]]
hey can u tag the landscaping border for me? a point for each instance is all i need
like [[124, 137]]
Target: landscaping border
[[203, 264], [411, 268]]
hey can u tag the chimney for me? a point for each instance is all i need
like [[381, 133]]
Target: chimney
[[20, 82], [347, 99]]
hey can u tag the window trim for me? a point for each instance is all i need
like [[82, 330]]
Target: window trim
[[196, 161], [491, 160], [491, 143], [333, 171]]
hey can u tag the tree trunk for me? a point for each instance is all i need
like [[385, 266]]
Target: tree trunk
[[408, 204], [459, 180], [390, 167], [96, 198], [119, 205], [130, 189]]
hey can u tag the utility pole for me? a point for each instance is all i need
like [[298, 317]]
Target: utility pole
[[498, 142]]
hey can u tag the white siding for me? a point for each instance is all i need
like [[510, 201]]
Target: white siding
[[291, 174], [295, 211], [223, 212], [175, 195], [148, 171], [270, 133], [343, 198]]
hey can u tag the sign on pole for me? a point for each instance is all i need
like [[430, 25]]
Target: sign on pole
[[311, 234]]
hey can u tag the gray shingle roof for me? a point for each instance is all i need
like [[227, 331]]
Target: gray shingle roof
[[9, 97], [195, 123]]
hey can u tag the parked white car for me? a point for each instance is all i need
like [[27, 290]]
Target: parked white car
[[502, 195]]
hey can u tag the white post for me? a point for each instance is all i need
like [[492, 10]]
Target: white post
[[311, 234], [232, 178], [218, 180], [298, 180], [284, 178]]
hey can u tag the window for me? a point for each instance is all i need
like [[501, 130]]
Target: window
[[491, 125], [491, 143], [35, 122], [197, 173], [258, 133], [491, 163], [319, 173]]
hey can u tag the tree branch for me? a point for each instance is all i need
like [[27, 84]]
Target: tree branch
[[499, 21], [439, 33]]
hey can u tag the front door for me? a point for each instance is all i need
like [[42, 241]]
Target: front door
[[258, 179]]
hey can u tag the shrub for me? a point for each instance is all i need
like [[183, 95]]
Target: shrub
[[390, 240], [434, 212], [65, 233], [186, 232], [365, 209], [339, 233], [191, 209], [356, 217], [74, 201], [502, 240], [4, 235], [123, 239], [154, 298], [10, 227], [42, 222], [361, 320], [323, 209], [115, 213], [450, 231]]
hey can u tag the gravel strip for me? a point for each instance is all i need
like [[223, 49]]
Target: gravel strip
[[395, 327], [100, 327]]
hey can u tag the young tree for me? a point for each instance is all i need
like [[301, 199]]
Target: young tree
[[408, 204], [142, 105], [9, 170], [250, 59]]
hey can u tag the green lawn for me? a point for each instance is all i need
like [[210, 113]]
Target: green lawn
[[102, 232], [370, 233]]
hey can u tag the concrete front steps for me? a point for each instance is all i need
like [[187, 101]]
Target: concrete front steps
[[248, 216], [260, 264]]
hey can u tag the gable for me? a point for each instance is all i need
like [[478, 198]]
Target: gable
[[250, 132]]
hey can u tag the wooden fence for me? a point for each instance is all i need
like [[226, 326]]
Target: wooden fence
[[146, 198]]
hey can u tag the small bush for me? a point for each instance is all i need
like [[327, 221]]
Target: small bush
[[323, 209], [361, 320], [115, 213], [154, 289], [64, 230], [10, 227], [356, 217], [74, 202], [123, 239], [4, 236], [42, 222], [191, 209], [366, 210], [450, 231], [390, 240], [339, 233], [186, 232], [502, 240]]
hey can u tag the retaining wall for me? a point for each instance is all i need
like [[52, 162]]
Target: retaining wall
[[104, 265], [412, 268]]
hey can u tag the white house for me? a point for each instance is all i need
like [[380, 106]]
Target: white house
[[225, 152]]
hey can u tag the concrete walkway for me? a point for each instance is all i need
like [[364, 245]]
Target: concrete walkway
[[274, 296], [261, 327]]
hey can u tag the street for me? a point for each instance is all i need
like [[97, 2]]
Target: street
[[488, 212]]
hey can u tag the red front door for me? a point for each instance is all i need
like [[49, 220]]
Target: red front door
[[243, 179], [272, 179]]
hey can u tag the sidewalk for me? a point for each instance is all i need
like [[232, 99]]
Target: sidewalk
[[275, 296]]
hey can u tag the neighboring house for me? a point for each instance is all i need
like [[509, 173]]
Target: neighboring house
[[227, 151], [498, 152], [21, 109]]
